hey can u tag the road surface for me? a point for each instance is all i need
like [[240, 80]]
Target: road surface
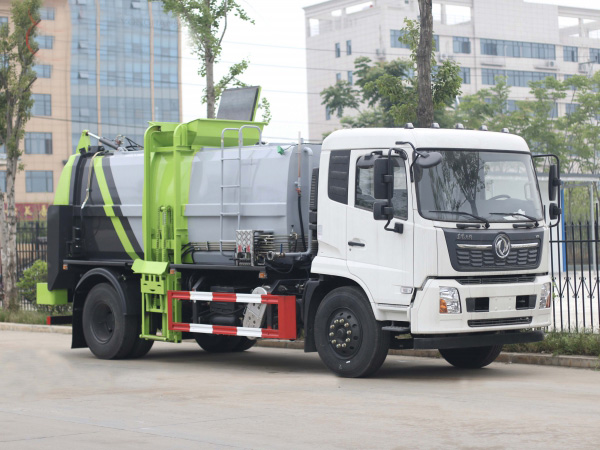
[[179, 397]]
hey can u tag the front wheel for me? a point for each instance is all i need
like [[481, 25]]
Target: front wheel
[[349, 340], [472, 357]]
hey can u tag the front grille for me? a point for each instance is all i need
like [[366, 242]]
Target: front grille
[[497, 280], [500, 322], [486, 258]]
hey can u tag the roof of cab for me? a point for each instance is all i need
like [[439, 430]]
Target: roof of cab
[[379, 138]]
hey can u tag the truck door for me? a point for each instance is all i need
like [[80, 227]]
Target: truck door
[[382, 259]]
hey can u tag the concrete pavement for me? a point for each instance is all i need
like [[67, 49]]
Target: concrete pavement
[[181, 397]]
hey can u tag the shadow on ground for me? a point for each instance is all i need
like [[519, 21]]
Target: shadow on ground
[[282, 361]]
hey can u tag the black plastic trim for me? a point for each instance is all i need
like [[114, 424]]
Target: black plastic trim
[[477, 339], [338, 176]]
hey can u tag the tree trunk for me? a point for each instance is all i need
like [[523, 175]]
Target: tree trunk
[[425, 106], [210, 85], [9, 238]]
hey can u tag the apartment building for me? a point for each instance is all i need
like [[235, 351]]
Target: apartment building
[[522, 40], [109, 66]]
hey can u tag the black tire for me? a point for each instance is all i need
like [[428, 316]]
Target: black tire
[[217, 343], [108, 332], [140, 348], [363, 344], [471, 357], [244, 344]]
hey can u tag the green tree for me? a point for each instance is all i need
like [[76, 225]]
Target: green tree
[[487, 107], [18, 48], [340, 96], [389, 89], [425, 102], [207, 23]]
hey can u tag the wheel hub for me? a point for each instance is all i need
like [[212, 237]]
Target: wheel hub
[[344, 333], [103, 322]]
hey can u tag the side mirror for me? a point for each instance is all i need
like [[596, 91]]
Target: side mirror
[[383, 178], [383, 211], [554, 211], [553, 182], [428, 160]]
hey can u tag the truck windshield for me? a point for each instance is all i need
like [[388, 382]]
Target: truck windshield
[[495, 186]]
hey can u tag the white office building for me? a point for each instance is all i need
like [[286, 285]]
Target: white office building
[[523, 40]]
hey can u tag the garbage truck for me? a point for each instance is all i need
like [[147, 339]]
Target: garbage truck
[[376, 239]]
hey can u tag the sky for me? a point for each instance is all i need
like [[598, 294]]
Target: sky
[[275, 47]]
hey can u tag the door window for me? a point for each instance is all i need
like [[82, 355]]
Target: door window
[[364, 188]]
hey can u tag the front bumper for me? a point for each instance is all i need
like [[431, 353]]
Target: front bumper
[[501, 315]]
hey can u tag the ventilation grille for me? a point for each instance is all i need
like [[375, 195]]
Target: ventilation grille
[[500, 322]]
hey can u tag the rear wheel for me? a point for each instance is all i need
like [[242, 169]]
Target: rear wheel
[[108, 332], [140, 348], [349, 340], [244, 344], [472, 357], [217, 343]]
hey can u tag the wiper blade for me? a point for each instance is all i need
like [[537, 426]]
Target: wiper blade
[[533, 219], [460, 213]]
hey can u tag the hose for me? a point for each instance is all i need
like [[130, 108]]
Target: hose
[[301, 221]]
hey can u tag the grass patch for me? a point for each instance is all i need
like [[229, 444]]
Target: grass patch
[[32, 317], [581, 344]]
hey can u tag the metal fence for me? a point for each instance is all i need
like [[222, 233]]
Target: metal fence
[[574, 259], [574, 250], [32, 244]]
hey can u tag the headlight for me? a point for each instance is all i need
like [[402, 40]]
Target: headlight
[[449, 301], [546, 296]]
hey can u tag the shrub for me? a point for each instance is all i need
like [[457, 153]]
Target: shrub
[[37, 273]]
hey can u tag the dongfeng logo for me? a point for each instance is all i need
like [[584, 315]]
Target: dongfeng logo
[[502, 246]]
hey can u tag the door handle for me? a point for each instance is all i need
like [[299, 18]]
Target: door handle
[[355, 244]]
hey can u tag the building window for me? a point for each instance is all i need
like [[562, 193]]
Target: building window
[[46, 42], [595, 55], [465, 74], [517, 49], [38, 181], [43, 70], [518, 78], [3, 20], [38, 143], [571, 107], [350, 78], [338, 77], [42, 105], [348, 47], [2, 181], [461, 44], [337, 50], [47, 13], [570, 54], [395, 35], [327, 113], [511, 106]]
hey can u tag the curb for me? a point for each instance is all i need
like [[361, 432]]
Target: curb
[[579, 362], [8, 326]]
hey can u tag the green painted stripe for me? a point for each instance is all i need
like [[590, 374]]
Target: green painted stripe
[[64, 183], [108, 208]]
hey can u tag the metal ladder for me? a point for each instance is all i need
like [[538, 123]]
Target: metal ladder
[[237, 186]]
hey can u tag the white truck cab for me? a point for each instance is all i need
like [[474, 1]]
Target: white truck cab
[[463, 247]]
